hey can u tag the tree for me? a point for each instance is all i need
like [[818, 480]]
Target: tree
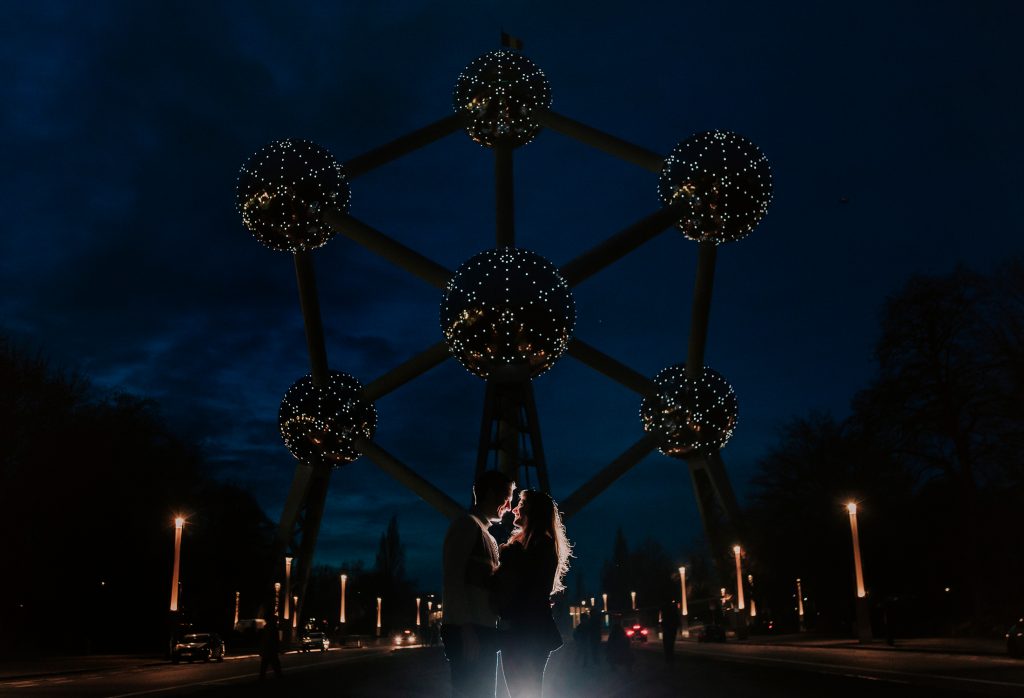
[[616, 576]]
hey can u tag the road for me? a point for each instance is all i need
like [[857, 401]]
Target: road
[[733, 669]]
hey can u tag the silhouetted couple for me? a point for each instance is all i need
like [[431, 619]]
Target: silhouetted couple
[[498, 599]]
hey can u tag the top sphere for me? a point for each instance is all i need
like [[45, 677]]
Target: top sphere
[[501, 90], [508, 314], [284, 188], [724, 183]]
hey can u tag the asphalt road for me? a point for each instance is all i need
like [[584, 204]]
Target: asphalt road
[[733, 670]]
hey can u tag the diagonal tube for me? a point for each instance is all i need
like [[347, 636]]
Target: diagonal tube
[[405, 372], [409, 477], [613, 145], [403, 145], [619, 245], [388, 248], [606, 365], [612, 472]]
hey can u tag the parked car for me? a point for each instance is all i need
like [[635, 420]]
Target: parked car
[[314, 641], [1015, 639], [637, 633], [711, 633], [204, 646]]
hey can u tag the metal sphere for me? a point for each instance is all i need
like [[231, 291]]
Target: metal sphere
[[501, 91], [283, 190], [692, 416], [507, 314], [724, 183], [319, 425]]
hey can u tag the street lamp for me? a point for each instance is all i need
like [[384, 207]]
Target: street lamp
[[344, 579], [238, 595], [682, 589], [753, 604], [633, 596], [378, 616], [179, 523], [863, 613], [800, 603], [417, 611], [277, 598], [604, 600], [287, 584], [295, 616], [740, 605]]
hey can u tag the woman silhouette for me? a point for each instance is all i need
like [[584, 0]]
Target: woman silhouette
[[533, 564]]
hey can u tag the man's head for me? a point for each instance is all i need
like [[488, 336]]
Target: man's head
[[492, 493]]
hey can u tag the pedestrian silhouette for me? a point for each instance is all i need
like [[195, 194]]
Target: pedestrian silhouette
[[270, 649]]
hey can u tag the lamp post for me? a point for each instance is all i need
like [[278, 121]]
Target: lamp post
[[341, 618], [238, 596], [753, 604], [417, 611], [295, 616], [800, 604], [632, 595], [179, 523], [682, 596], [863, 613], [287, 584], [277, 599], [378, 616], [740, 605]]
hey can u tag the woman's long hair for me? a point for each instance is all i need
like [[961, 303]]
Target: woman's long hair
[[544, 519]]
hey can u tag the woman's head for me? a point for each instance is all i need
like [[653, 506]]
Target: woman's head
[[537, 515]]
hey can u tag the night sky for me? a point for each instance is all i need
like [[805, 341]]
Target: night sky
[[892, 128]]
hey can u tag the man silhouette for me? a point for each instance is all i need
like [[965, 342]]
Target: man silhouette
[[469, 563]]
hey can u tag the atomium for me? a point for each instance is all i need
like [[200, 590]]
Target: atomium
[[723, 182], [507, 314], [283, 190], [691, 416], [501, 91], [320, 425]]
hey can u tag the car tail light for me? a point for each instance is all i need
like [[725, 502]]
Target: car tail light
[[629, 633], [643, 632]]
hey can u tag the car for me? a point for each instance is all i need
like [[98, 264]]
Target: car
[[711, 633], [193, 646], [314, 641], [637, 633], [405, 638], [1015, 639]]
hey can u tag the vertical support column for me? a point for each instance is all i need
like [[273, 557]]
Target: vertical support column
[[504, 197], [701, 311]]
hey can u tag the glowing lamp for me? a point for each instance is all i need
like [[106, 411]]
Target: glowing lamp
[[507, 314], [283, 190], [320, 424], [690, 415], [501, 92], [723, 182]]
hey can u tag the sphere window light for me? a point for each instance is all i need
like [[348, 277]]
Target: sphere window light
[[692, 416], [319, 425], [723, 182], [501, 91], [283, 190], [507, 314]]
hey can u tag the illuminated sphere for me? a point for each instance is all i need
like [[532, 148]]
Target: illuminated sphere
[[724, 183], [692, 416], [283, 190], [319, 425], [507, 314], [501, 91]]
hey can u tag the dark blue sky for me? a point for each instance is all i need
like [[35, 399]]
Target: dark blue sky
[[124, 125]]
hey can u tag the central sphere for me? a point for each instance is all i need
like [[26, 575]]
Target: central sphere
[[501, 91], [507, 314], [319, 425], [723, 183]]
